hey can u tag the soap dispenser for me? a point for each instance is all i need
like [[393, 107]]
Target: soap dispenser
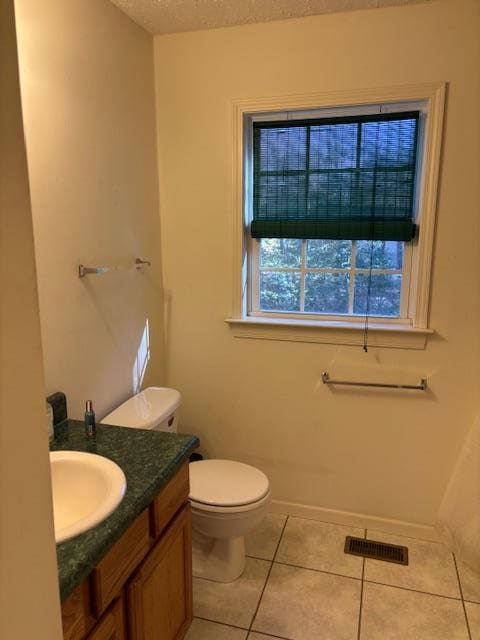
[[90, 426]]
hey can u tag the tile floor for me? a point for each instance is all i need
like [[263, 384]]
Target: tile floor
[[299, 585]]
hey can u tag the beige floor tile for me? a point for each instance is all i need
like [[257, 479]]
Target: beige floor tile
[[263, 541], [319, 545], [397, 614], [431, 567], [205, 630], [302, 604], [261, 636], [233, 602], [473, 614], [470, 581]]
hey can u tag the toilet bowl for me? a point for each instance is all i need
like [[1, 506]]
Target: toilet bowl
[[228, 499]]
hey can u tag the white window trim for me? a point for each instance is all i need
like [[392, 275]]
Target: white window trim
[[412, 334]]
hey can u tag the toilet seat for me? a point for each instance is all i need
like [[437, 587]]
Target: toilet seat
[[227, 486], [225, 511]]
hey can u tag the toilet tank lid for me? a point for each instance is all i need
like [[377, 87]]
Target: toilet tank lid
[[226, 483], [146, 409]]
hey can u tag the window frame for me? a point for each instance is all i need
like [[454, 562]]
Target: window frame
[[396, 332]]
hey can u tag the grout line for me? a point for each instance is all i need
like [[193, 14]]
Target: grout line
[[247, 555], [361, 593], [461, 595], [267, 578], [330, 573], [402, 535], [224, 624], [357, 526], [280, 539], [269, 635], [426, 593], [216, 581]]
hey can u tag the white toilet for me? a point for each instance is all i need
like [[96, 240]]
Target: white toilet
[[228, 499]]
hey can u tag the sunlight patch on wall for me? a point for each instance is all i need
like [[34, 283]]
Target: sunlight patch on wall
[[141, 360]]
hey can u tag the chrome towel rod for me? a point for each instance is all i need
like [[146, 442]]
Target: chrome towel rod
[[416, 387], [84, 271]]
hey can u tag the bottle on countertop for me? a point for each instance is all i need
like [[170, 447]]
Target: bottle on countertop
[[90, 426]]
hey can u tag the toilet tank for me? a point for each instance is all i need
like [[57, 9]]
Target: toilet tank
[[154, 408]]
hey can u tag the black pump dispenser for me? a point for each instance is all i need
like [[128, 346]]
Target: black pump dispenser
[[90, 426]]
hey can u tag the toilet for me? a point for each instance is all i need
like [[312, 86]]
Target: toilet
[[228, 499]]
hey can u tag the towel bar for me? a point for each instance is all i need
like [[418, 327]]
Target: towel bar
[[138, 264], [383, 385]]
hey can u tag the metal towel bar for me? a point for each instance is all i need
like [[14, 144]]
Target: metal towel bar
[[383, 385], [84, 271]]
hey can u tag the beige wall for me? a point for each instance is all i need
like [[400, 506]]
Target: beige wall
[[87, 85], [29, 600], [386, 454]]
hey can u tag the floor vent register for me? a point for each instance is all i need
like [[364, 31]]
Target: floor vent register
[[376, 550]]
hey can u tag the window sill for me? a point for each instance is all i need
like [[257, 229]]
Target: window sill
[[400, 336]]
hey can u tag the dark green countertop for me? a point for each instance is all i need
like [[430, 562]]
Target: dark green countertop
[[148, 459]]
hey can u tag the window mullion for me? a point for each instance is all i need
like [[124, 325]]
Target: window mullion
[[302, 276], [351, 282]]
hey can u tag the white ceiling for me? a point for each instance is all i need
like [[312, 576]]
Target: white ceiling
[[171, 16]]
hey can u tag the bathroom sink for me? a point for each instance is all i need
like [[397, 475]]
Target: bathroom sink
[[86, 489]]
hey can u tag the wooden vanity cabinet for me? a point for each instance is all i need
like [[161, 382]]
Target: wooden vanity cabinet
[[142, 588], [159, 598]]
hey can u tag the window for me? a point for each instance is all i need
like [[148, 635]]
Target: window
[[331, 277], [333, 204], [335, 214]]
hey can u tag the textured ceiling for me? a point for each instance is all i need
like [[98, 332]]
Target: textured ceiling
[[171, 16]]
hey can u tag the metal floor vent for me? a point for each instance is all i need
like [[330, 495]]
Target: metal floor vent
[[376, 550]]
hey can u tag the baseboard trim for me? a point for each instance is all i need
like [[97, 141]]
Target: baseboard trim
[[396, 527]]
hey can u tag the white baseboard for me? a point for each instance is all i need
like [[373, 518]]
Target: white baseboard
[[396, 527]]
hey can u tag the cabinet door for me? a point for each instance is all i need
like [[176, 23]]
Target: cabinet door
[[77, 618], [111, 625], [160, 592], [111, 573]]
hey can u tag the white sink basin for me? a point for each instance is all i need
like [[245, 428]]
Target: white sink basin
[[86, 489]]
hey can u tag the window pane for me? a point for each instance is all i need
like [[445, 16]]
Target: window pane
[[393, 194], [326, 292], [277, 252], [333, 146], [388, 144], [385, 254], [384, 295], [282, 149], [329, 254], [285, 196], [332, 194], [279, 291]]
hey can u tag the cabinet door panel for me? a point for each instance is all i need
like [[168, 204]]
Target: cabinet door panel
[[111, 625], [77, 618], [160, 594], [112, 572]]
